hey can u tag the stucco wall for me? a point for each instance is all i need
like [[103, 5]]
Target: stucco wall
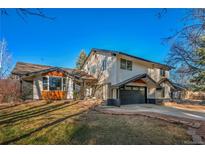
[[151, 93], [27, 90], [126, 74], [70, 88], [104, 76], [154, 73], [37, 87]]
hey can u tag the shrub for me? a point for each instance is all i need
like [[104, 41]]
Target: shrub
[[9, 90]]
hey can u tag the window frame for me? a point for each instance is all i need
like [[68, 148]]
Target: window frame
[[64, 85], [93, 69], [51, 84], [104, 64], [162, 72], [125, 64], [130, 65], [47, 84]]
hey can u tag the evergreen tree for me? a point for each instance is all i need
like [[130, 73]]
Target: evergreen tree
[[81, 59], [198, 80]]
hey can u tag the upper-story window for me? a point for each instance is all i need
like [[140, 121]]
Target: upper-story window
[[125, 64], [93, 69], [162, 72], [104, 64]]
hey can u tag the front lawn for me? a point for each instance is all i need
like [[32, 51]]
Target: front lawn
[[69, 123]]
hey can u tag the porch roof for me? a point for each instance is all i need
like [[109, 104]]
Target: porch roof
[[174, 86], [144, 77]]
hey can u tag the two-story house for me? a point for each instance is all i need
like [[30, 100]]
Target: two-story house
[[128, 78], [118, 75]]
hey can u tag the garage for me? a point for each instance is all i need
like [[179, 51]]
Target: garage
[[132, 95]]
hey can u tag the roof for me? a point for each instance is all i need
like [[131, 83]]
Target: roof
[[137, 77], [22, 68], [28, 69], [79, 74], [179, 86], [125, 54], [176, 86]]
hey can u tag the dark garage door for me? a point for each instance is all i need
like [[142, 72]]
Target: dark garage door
[[132, 95]]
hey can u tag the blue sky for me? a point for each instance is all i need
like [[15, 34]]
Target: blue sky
[[58, 43]]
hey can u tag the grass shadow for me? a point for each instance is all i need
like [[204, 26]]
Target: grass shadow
[[9, 106], [41, 128], [21, 111], [35, 114]]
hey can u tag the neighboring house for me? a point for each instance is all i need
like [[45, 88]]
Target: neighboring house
[[105, 74], [128, 78]]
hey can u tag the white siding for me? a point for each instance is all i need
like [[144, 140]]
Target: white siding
[[70, 89], [37, 87]]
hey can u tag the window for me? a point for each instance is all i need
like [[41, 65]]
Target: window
[[162, 72], [128, 88], [123, 64], [45, 83], [55, 83], [93, 70], [129, 65], [104, 63], [64, 84], [126, 64]]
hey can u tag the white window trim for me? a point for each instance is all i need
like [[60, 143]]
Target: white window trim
[[48, 84]]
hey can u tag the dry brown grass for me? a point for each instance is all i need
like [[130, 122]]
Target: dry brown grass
[[98, 128], [63, 122], [25, 120], [185, 106]]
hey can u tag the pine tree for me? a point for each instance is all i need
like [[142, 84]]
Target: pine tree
[[198, 80], [81, 59]]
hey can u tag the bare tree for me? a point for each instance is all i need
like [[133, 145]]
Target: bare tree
[[23, 13], [185, 43], [5, 60]]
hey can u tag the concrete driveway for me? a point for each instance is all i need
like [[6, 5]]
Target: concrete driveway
[[196, 115]]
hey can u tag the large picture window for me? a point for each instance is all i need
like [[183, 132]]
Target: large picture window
[[55, 83]]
